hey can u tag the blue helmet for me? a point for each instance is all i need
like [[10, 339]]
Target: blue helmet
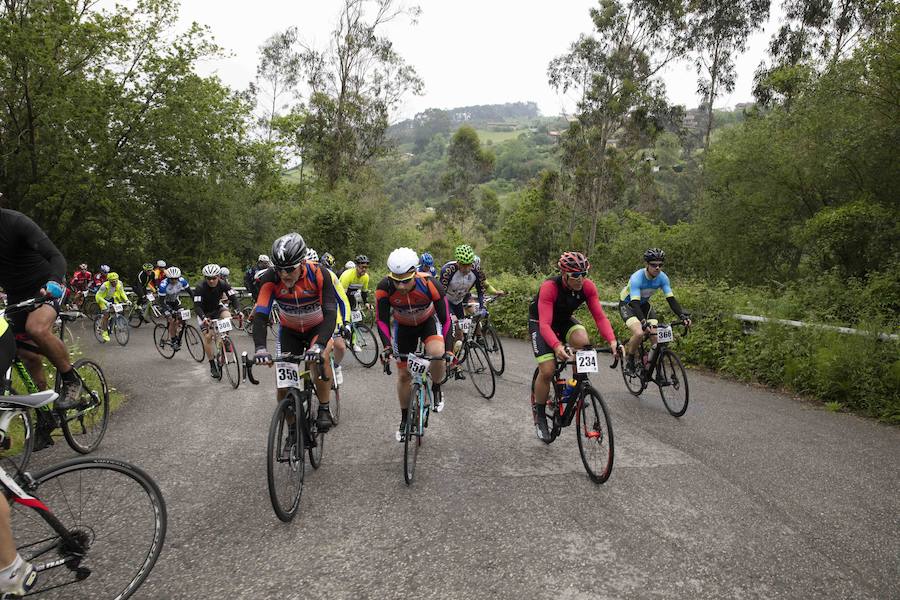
[[427, 259]]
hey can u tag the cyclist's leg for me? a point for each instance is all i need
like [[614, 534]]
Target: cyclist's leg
[[634, 325], [323, 388], [39, 327], [340, 348], [430, 334], [543, 355], [104, 320], [405, 341], [576, 335], [207, 336]]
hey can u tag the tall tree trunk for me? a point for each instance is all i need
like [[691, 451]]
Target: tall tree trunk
[[713, 80]]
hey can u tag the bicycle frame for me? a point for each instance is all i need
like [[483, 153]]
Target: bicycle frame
[[657, 351]]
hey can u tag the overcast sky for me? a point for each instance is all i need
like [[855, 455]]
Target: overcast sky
[[467, 52]]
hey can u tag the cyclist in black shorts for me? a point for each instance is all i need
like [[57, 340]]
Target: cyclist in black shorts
[[208, 304]]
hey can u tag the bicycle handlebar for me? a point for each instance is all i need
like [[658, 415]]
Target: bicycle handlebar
[[249, 363], [387, 363], [561, 365], [648, 327]]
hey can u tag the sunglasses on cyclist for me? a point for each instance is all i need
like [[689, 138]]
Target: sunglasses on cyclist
[[655, 265], [403, 278], [213, 278], [290, 269], [578, 275]]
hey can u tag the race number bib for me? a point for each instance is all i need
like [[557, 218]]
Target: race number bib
[[117, 307], [223, 325], [465, 324], [287, 375], [417, 366], [150, 297], [664, 334], [185, 314], [586, 361], [356, 316]]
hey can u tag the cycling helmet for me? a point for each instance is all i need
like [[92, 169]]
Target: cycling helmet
[[654, 254], [362, 259], [326, 260], [573, 262], [477, 262], [427, 259], [264, 259], [112, 277], [312, 255], [349, 265], [464, 254], [403, 263], [82, 267], [212, 270], [225, 272], [173, 273], [104, 268], [288, 251], [147, 266], [161, 264]]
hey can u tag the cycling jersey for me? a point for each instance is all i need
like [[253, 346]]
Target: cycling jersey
[[99, 279], [425, 300], [158, 276], [353, 283], [207, 298], [343, 302], [554, 305], [308, 305], [106, 290], [147, 282], [457, 284], [28, 259], [640, 287], [169, 290], [80, 280]]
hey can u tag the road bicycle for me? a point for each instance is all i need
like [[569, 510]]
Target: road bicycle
[[225, 356], [149, 312], [116, 325], [660, 365], [577, 399], [83, 425], [486, 335], [361, 340], [185, 332], [97, 523], [291, 438], [274, 319], [420, 404], [474, 358]]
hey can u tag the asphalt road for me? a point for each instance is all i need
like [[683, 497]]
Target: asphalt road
[[751, 494]]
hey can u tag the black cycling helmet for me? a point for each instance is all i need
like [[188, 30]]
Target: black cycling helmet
[[654, 255], [362, 259], [288, 250]]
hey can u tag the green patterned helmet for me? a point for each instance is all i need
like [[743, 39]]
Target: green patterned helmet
[[464, 254]]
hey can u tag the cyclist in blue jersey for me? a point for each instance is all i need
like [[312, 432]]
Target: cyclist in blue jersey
[[634, 301], [426, 264], [169, 290]]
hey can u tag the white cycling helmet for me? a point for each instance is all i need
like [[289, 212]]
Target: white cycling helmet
[[349, 265], [264, 259], [173, 273], [104, 268], [403, 261], [161, 264], [211, 270], [312, 255], [225, 272]]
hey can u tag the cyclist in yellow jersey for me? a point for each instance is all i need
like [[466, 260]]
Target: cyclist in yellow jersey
[[356, 282], [112, 286]]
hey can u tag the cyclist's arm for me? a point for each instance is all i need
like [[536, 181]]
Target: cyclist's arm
[[364, 291], [100, 296], [479, 286], [32, 236], [447, 272], [327, 296], [670, 295], [593, 302], [441, 307], [120, 295], [198, 303], [546, 299], [489, 288], [261, 313], [233, 301], [343, 302], [383, 313]]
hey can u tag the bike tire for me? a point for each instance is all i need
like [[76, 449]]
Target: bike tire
[[85, 424], [90, 308], [494, 348], [162, 341], [315, 452], [633, 382], [286, 501], [368, 343], [596, 443], [194, 343], [412, 439], [335, 406], [121, 330], [117, 504], [95, 327], [671, 378], [232, 362], [136, 316], [18, 445], [481, 373], [156, 319]]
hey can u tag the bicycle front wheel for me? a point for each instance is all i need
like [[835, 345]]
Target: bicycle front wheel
[[285, 463], [494, 349], [673, 384], [412, 435], [231, 362], [18, 439], [364, 345], [97, 328], [84, 425], [162, 341], [480, 371], [595, 436], [117, 516], [136, 316], [193, 342], [121, 330]]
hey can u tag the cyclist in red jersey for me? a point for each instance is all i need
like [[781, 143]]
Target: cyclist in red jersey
[[550, 324], [306, 299]]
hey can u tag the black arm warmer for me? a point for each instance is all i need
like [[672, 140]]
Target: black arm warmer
[[673, 304]]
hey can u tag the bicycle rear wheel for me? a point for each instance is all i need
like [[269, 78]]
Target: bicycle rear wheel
[[116, 513], [84, 425], [193, 342], [480, 371], [494, 348], [673, 384], [365, 339], [121, 330], [285, 463], [633, 380], [413, 438], [595, 436], [136, 316], [231, 362], [162, 341]]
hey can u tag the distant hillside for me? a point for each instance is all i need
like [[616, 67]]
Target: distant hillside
[[497, 117]]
